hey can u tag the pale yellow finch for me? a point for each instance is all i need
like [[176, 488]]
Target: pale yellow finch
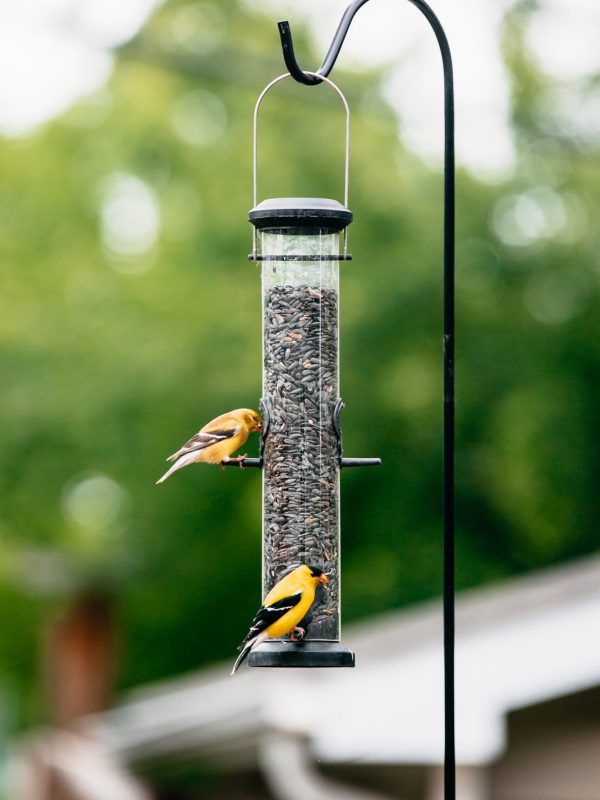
[[217, 440]]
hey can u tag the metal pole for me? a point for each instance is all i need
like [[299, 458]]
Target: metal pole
[[448, 339]]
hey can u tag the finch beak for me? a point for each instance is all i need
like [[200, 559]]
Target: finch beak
[[323, 579], [258, 426]]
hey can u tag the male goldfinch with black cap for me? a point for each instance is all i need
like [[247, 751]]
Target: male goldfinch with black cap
[[288, 602]]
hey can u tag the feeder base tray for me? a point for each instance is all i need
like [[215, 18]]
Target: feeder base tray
[[280, 653]]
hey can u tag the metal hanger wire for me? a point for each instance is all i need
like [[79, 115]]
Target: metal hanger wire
[[261, 96]]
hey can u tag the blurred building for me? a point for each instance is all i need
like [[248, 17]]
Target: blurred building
[[528, 708], [66, 761]]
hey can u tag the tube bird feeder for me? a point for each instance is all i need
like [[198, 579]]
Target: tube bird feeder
[[299, 243]]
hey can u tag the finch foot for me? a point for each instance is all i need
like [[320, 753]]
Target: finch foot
[[240, 460], [297, 634]]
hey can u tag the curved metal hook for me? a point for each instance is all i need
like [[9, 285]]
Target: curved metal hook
[[334, 49], [309, 79]]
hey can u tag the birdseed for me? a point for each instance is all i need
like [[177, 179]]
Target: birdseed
[[300, 507]]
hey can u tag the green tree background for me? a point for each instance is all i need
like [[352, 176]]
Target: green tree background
[[111, 355]]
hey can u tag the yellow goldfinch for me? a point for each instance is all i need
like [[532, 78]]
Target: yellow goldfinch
[[216, 441], [286, 605]]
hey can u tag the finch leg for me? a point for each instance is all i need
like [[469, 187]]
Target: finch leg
[[240, 460], [297, 634]]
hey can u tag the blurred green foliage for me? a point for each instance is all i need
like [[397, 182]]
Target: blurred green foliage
[[130, 316]]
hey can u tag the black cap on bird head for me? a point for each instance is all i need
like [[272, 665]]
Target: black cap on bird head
[[316, 572]]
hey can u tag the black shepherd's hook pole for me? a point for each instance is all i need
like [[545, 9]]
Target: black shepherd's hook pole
[[449, 204]]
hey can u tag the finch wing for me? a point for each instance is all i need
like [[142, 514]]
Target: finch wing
[[267, 615], [204, 439]]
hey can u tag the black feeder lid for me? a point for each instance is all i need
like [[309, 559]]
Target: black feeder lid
[[300, 212]]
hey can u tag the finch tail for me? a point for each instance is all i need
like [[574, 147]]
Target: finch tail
[[242, 656], [181, 462], [246, 650]]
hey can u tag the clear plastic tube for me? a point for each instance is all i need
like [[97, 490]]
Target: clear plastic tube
[[301, 385]]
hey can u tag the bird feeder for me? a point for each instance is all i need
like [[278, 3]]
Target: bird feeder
[[299, 243]]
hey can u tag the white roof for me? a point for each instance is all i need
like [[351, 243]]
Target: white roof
[[525, 641]]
